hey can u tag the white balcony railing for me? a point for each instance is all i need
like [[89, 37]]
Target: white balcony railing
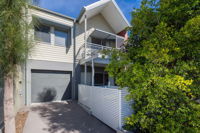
[[92, 50]]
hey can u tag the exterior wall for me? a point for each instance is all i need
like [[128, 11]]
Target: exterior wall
[[97, 22], [50, 16], [46, 56], [50, 52], [43, 65]]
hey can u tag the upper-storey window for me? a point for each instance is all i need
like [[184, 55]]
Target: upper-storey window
[[61, 37], [42, 33]]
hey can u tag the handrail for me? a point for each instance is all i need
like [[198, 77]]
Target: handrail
[[92, 50], [98, 45]]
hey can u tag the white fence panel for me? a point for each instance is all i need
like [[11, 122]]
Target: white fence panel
[[110, 107], [107, 104], [84, 95], [97, 103], [126, 109]]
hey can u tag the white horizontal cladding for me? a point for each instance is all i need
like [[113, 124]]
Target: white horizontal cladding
[[105, 103], [50, 17], [84, 95], [48, 52], [126, 106]]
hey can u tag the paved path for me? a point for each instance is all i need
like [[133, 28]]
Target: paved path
[[62, 117]]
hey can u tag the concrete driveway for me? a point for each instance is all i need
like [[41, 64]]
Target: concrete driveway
[[62, 117]]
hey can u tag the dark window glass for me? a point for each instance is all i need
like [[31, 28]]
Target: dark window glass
[[96, 41], [100, 79], [61, 37], [104, 42], [42, 33]]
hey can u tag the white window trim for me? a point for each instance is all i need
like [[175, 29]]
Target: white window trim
[[52, 35], [68, 37]]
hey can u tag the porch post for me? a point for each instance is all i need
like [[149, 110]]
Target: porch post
[[116, 41], [85, 74], [93, 72], [85, 34]]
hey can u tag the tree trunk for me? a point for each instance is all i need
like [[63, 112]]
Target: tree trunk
[[9, 114]]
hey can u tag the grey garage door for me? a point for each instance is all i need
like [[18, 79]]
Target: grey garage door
[[49, 86]]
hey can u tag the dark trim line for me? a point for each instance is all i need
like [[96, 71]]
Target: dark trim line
[[51, 71], [1, 127]]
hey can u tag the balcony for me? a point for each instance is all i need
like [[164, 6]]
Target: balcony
[[98, 41]]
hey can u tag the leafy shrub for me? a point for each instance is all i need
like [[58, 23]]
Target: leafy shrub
[[161, 67]]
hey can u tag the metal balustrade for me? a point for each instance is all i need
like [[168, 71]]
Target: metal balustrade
[[91, 50]]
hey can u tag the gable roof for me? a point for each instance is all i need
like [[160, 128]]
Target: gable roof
[[109, 10]]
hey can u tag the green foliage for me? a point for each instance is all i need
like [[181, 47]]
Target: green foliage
[[14, 27], [161, 67]]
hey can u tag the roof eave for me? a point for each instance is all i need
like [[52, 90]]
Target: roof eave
[[81, 14], [51, 12], [120, 11], [84, 9]]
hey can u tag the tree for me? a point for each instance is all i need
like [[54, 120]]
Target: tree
[[161, 66], [14, 48]]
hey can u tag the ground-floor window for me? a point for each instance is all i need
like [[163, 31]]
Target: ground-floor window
[[101, 79]]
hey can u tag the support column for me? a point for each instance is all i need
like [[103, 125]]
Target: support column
[[52, 35], [116, 41], [85, 74], [85, 34], [93, 71], [73, 93], [109, 82]]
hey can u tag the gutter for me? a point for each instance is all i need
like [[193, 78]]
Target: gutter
[[51, 12]]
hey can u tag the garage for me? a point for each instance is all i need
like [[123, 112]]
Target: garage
[[47, 85]]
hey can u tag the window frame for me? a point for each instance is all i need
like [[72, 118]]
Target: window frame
[[39, 39], [67, 37]]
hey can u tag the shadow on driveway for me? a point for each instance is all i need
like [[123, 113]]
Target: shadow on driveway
[[62, 117]]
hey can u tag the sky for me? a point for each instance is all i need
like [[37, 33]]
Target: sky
[[72, 8]]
